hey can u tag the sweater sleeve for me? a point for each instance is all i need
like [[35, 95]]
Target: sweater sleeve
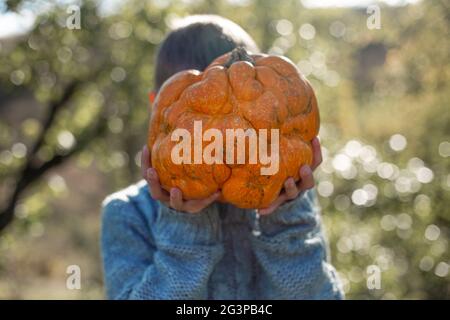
[[292, 253], [170, 257]]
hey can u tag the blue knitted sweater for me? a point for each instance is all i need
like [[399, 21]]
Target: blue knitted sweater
[[153, 252]]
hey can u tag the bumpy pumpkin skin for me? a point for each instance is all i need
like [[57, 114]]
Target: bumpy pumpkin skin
[[266, 93]]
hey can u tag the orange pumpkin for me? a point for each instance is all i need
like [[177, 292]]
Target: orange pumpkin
[[237, 90]]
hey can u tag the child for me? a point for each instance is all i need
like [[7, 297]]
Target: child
[[155, 245]]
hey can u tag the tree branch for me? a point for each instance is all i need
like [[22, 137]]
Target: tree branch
[[32, 171], [54, 107]]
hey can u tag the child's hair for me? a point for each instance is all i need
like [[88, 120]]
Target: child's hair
[[195, 42]]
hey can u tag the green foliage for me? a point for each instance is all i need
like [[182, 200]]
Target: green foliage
[[385, 203]]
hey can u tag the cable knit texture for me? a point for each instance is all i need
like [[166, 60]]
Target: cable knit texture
[[153, 252]]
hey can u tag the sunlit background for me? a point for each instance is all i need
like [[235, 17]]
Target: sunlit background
[[73, 112]]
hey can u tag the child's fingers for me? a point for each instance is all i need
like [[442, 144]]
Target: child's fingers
[[154, 186], [317, 153], [176, 199], [306, 178], [145, 162], [194, 206], [278, 202], [290, 188]]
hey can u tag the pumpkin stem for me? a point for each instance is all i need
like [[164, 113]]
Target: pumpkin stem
[[239, 54]]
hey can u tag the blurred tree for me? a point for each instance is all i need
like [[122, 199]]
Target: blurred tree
[[383, 95]]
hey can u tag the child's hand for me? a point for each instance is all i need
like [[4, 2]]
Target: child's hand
[[174, 199], [291, 189]]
